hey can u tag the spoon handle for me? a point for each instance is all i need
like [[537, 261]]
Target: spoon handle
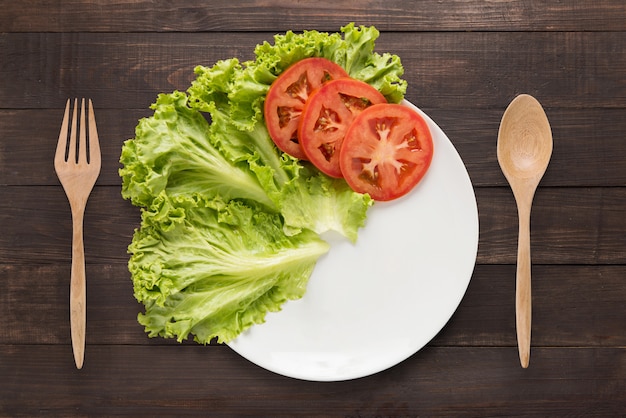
[[523, 306]]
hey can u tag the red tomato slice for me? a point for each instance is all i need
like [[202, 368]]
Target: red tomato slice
[[327, 116], [287, 96], [387, 151]]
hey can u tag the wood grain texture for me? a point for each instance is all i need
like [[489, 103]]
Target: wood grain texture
[[108, 219], [465, 70], [578, 133], [465, 61], [573, 307], [568, 225], [258, 15], [436, 381]]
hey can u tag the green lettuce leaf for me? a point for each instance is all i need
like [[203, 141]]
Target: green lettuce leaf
[[213, 268], [172, 150]]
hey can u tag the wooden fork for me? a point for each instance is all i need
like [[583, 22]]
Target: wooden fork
[[78, 167]]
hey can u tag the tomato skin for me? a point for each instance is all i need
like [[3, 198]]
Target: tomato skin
[[387, 151], [326, 117], [288, 94]]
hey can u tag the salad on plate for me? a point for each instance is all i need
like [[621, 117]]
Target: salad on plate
[[237, 181]]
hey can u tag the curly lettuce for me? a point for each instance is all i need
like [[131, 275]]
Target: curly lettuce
[[213, 268], [230, 225]]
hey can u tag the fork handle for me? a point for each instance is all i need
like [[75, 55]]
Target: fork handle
[[78, 294]]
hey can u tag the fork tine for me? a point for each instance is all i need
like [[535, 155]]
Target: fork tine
[[71, 155], [82, 135], [94, 143], [59, 156]]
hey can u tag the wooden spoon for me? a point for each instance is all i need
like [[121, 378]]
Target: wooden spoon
[[524, 150]]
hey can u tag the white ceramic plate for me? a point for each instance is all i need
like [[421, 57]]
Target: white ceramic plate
[[373, 304]]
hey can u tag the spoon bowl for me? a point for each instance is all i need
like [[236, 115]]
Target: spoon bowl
[[524, 140], [524, 150]]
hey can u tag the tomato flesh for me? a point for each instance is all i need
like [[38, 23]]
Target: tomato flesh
[[326, 117], [386, 151], [287, 96]]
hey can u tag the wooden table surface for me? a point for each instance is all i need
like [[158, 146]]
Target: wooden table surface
[[465, 61]]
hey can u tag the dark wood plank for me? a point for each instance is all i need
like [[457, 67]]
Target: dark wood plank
[[36, 296], [569, 225], [429, 15], [573, 306], [30, 137], [166, 381], [588, 145], [470, 70], [588, 148], [46, 235], [486, 70]]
